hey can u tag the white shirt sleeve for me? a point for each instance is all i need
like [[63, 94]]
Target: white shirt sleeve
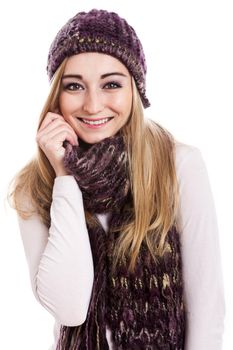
[[202, 272], [59, 259]]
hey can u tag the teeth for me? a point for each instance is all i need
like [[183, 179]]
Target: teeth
[[96, 122]]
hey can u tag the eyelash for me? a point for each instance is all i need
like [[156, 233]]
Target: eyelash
[[78, 86], [117, 85]]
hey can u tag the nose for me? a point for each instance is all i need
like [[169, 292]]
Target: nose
[[93, 103]]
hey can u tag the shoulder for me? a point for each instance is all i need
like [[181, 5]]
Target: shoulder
[[185, 152], [188, 159]]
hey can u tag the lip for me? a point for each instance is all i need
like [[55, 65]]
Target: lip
[[91, 126], [95, 119]]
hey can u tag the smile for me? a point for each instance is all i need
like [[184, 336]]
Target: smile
[[95, 122]]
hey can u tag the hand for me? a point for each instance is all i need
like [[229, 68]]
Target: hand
[[53, 131]]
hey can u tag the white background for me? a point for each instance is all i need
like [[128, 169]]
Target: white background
[[189, 50]]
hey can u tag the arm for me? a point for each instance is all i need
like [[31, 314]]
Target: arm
[[59, 259], [203, 284]]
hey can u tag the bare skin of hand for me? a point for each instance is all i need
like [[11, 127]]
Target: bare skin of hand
[[53, 131]]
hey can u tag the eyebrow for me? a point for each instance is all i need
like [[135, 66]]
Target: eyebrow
[[103, 76]]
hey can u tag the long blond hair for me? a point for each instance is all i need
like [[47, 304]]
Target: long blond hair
[[152, 173]]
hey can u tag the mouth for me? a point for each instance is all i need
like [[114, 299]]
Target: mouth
[[95, 122]]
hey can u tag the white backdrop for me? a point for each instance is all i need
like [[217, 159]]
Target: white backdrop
[[189, 49]]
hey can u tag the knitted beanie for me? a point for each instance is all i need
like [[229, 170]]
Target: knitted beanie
[[104, 32]]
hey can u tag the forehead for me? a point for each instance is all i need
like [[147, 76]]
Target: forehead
[[97, 63]]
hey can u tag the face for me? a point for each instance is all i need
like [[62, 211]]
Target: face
[[96, 95]]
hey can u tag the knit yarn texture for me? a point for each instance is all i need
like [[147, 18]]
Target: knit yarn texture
[[104, 32], [144, 309]]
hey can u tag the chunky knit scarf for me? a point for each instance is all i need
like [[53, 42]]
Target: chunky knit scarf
[[144, 309]]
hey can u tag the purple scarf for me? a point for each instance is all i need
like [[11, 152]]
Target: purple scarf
[[144, 309]]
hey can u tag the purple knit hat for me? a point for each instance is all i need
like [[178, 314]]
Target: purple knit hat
[[104, 32]]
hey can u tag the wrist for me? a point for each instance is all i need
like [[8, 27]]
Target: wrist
[[61, 172]]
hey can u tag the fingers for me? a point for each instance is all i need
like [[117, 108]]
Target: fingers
[[56, 134], [49, 118], [55, 121], [54, 130]]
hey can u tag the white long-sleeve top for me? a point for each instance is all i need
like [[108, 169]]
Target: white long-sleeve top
[[61, 266]]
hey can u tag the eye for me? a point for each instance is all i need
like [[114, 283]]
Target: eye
[[112, 85], [73, 87]]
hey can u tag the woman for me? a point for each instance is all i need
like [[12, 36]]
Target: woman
[[117, 217]]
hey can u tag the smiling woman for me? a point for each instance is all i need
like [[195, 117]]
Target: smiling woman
[[96, 95], [124, 252]]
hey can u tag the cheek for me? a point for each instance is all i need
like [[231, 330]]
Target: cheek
[[67, 104], [122, 103], [62, 103], [127, 106]]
